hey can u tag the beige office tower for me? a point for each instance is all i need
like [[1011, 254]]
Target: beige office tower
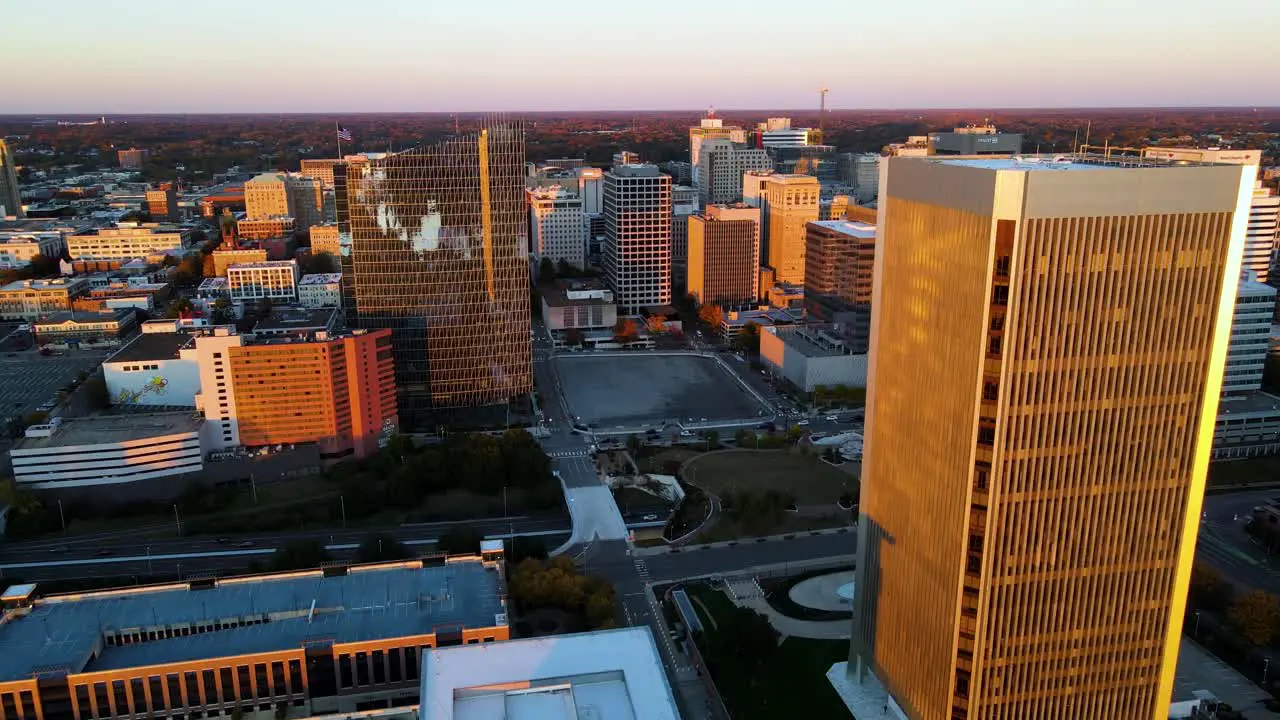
[[790, 203], [708, 128], [271, 195], [1047, 351], [724, 255], [10, 197], [721, 166]]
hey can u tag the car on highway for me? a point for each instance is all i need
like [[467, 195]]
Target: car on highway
[[246, 544], [60, 549], [831, 418], [223, 540], [686, 433], [104, 552], [650, 516], [802, 422]]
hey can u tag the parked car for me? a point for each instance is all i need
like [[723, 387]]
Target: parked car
[[832, 418], [650, 516], [246, 544], [802, 422]]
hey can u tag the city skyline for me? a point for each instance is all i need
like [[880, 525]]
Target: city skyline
[[421, 62]]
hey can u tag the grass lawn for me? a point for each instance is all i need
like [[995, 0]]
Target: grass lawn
[[812, 481], [1245, 472], [793, 679], [657, 462], [725, 528]]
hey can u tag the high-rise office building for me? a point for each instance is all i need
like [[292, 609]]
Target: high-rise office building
[[1264, 214], [777, 132], [626, 157], [1250, 336], [132, 158], [589, 182], [724, 255], [790, 203], [10, 197], [637, 244], [434, 247], [162, 203], [556, 228], [839, 260], [272, 195], [710, 127], [862, 171], [1047, 353], [721, 166], [684, 204]]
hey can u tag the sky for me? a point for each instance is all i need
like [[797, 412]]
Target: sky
[[142, 56]]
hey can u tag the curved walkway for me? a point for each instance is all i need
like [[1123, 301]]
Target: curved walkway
[[744, 591]]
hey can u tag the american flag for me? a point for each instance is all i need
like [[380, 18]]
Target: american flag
[[344, 134]]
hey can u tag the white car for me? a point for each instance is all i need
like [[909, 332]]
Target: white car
[[802, 422], [831, 418]]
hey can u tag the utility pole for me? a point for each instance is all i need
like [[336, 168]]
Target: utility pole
[[342, 503], [62, 517], [177, 519]]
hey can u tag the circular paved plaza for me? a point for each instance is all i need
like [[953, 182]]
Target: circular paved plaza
[[833, 592]]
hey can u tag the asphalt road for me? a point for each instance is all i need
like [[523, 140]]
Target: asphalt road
[[1225, 545]]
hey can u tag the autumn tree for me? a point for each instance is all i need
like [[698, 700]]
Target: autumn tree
[[1257, 615], [1208, 589], [657, 324], [712, 315], [574, 336], [625, 329]]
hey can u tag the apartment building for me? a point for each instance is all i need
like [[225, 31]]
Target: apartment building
[[126, 241], [275, 280]]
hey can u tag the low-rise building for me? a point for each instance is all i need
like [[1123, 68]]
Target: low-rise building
[[265, 228], [736, 321], [1247, 426], [295, 644], [578, 304], [140, 295], [809, 356], [298, 321], [18, 249], [132, 158], [30, 299], [127, 241], [210, 291], [275, 280], [324, 239], [320, 290], [107, 450], [77, 327], [225, 257], [605, 675], [161, 203]]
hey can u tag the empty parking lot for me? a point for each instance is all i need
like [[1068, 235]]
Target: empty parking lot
[[647, 389]]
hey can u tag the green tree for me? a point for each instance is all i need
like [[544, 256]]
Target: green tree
[[44, 266], [379, 547], [566, 270], [748, 339], [95, 390], [178, 307], [1257, 615], [459, 540], [221, 311], [546, 270]]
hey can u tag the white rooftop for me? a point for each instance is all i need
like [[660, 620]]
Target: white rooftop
[[849, 227], [603, 675], [321, 279]]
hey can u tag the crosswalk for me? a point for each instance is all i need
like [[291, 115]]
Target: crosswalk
[[569, 453], [642, 569]]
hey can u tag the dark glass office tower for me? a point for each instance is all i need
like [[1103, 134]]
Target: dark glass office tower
[[434, 248]]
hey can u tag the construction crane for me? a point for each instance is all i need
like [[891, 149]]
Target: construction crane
[[822, 111]]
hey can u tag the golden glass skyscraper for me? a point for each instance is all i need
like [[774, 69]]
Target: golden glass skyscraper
[[1048, 339]]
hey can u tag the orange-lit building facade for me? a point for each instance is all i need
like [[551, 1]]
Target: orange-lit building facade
[[179, 659], [1048, 340], [337, 391]]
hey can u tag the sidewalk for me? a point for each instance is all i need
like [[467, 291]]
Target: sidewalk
[[744, 591]]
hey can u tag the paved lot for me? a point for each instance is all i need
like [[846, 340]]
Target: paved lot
[[1224, 543], [643, 389], [1198, 670], [28, 379]]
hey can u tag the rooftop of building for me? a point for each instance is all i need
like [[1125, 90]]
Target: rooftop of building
[[84, 316], [1062, 162], [263, 265], [602, 675], [811, 341], [213, 283], [771, 316], [557, 295], [1255, 402], [289, 319], [1255, 288], [61, 283], [152, 346], [268, 177], [792, 179], [553, 192], [865, 231], [105, 430], [223, 250], [289, 610], [638, 170], [320, 279]]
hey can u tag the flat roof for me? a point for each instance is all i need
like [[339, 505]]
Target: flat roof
[[320, 278], [602, 675], [152, 346], [1058, 163], [865, 231], [294, 318], [370, 603], [797, 338], [107, 429], [263, 265], [1253, 287], [1254, 402]]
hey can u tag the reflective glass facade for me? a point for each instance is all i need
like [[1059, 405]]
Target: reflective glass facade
[[433, 243]]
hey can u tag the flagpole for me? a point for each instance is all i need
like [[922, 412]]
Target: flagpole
[[339, 136]]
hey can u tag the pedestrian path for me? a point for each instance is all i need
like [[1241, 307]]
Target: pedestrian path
[[745, 592]]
